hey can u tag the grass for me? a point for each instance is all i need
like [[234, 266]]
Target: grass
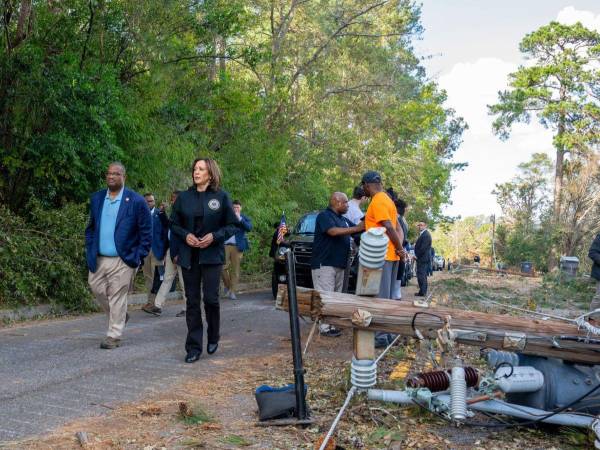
[[384, 435], [234, 439], [195, 415], [557, 292], [554, 292]]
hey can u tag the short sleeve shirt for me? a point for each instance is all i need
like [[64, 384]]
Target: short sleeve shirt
[[330, 250], [380, 209]]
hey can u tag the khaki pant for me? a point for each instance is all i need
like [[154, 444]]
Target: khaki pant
[[150, 264], [596, 302], [171, 271], [327, 278], [110, 284], [231, 269]]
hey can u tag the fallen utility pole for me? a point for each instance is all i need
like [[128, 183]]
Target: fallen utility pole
[[498, 271], [525, 335]]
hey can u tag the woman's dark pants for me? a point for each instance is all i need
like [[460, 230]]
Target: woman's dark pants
[[206, 277]]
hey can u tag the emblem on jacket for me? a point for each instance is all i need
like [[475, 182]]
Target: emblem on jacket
[[214, 204]]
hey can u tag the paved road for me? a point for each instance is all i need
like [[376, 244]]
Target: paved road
[[52, 372]]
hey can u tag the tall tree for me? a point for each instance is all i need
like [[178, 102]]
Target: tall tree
[[524, 199], [560, 87]]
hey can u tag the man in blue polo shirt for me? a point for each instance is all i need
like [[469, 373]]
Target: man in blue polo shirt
[[117, 239], [330, 249]]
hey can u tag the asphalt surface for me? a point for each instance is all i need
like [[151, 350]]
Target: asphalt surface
[[53, 372]]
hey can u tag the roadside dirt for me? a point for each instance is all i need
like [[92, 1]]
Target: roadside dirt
[[226, 412]]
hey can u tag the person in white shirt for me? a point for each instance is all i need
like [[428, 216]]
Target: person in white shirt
[[355, 214]]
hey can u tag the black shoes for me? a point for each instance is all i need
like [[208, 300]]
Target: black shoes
[[180, 313], [192, 357], [126, 318], [331, 332], [211, 348], [418, 294]]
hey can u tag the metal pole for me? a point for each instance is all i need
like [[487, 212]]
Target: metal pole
[[301, 412]]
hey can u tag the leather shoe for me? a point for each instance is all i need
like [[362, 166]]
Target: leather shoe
[[192, 357], [418, 294], [211, 348]]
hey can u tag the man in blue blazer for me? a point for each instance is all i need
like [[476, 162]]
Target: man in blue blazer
[[156, 258], [235, 247], [117, 239]]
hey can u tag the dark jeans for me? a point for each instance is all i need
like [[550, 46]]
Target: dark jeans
[[401, 267], [422, 270], [206, 277]]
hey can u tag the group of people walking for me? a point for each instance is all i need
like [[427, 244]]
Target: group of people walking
[[204, 233], [203, 239]]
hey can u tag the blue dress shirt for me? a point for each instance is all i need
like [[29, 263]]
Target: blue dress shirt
[[108, 223]]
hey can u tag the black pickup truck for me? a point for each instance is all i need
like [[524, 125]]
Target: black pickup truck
[[300, 240]]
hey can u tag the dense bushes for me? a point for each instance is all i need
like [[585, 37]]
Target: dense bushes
[[42, 258]]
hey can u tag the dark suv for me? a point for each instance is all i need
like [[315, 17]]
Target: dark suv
[[300, 240]]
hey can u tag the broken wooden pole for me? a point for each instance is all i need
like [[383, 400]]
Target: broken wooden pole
[[527, 335]]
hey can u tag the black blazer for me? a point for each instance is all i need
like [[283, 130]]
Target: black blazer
[[218, 218], [594, 254], [423, 247]]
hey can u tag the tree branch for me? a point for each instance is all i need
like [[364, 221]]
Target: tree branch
[[88, 35], [332, 37]]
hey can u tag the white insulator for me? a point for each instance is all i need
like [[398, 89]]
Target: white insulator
[[519, 379], [497, 357], [373, 247], [363, 373], [458, 394]]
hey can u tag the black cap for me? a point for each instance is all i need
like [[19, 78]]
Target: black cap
[[371, 177]]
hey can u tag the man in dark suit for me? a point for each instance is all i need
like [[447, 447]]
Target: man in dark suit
[[594, 254], [423, 257], [117, 239], [235, 247], [154, 262], [172, 270]]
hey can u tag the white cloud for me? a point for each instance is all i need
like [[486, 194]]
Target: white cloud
[[471, 87], [570, 15]]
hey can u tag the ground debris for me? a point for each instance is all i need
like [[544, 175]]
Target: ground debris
[[151, 411]]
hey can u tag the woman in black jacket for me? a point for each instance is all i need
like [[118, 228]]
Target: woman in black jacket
[[203, 219]]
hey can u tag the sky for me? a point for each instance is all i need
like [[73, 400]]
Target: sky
[[469, 48]]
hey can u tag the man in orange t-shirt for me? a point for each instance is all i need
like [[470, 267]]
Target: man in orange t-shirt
[[382, 213]]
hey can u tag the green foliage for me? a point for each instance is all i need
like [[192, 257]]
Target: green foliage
[[463, 239], [294, 99], [195, 416], [234, 439], [42, 259], [557, 291], [559, 88], [515, 245]]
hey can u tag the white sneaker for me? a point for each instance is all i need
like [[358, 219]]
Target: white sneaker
[[232, 296]]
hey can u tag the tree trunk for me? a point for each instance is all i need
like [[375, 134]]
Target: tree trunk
[[558, 186]]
